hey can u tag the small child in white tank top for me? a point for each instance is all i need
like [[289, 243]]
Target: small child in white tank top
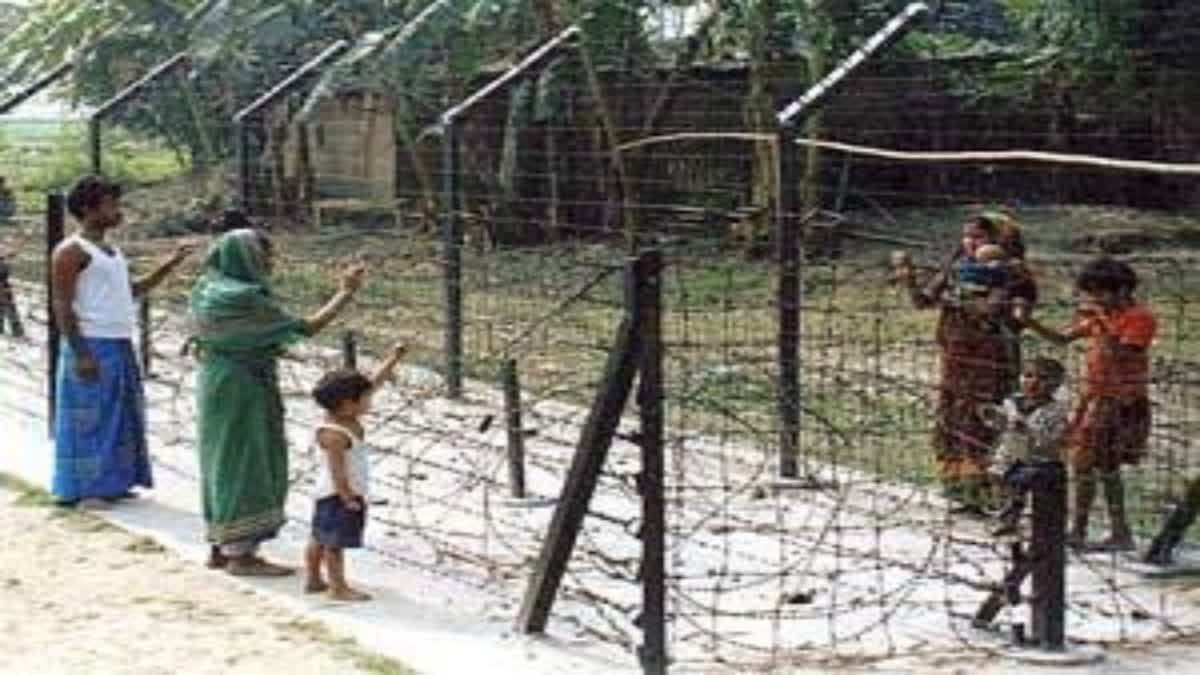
[[340, 514]]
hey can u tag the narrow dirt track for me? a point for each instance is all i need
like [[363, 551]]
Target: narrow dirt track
[[78, 596]]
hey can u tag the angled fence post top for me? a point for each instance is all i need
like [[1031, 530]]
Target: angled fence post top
[[893, 30], [179, 60], [538, 55], [293, 80], [36, 87]]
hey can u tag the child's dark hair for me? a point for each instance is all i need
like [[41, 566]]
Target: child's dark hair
[[88, 192], [1106, 275], [1050, 370], [340, 386]]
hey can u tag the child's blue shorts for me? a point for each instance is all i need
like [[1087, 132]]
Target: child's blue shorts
[[336, 526]]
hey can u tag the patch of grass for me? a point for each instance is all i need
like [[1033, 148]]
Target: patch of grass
[[82, 521], [143, 545], [28, 495], [39, 156], [378, 665], [35, 498], [31, 496], [369, 662]]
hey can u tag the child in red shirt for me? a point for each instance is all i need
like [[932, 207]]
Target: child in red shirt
[[1111, 423]]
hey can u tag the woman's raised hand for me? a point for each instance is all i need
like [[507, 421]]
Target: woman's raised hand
[[1021, 311], [398, 351], [350, 280]]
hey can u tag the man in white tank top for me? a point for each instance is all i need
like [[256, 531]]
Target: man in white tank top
[[100, 441]]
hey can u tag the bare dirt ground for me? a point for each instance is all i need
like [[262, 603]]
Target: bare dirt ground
[[78, 596]]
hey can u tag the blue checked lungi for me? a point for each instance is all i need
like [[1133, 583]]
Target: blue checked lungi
[[100, 427]]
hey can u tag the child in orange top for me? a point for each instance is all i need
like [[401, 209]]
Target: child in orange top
[[1111, 424]]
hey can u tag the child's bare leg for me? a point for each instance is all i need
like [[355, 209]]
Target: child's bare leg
[[1120, 538], [1085, 494], [312, 562], [335, 565]]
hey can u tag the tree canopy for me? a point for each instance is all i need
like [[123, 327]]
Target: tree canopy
[[1075, 59]]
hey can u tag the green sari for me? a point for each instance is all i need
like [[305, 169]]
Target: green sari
[[239, 329]]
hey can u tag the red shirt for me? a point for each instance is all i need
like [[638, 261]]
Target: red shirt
[[1116, 372]]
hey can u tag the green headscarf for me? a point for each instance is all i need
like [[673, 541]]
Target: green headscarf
[[232, 307]]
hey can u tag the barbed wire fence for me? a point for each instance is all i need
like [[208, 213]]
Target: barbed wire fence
[[803, 523]]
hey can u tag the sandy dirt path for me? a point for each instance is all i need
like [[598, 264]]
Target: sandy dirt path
[[78, 596]]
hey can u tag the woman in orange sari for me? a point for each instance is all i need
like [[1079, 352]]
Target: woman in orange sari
[[979, 340]]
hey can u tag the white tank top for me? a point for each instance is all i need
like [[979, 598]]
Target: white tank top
[[357, 467], [103, 295]]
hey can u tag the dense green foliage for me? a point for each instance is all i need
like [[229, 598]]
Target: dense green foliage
[[1100, 62]]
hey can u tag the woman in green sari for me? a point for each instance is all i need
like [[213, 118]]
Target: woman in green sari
[[240, 329]]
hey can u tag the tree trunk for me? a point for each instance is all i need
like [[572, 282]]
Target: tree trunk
[[428, 197], [548, 16], [821, 45], [760, 117], [204, 141], [552, 222]]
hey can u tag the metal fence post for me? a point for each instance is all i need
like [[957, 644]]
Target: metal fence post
[[788, 305], [650, 397], [516, 434], [1048, 546], [249, 115], [55, 219], [146, 334], [452, 196], [788, 226], [102, 111], [452, 252], [36, 86], [94, 145], [349, 350]]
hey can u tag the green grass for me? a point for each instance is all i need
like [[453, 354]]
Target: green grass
[[33, 497], [379, 665], [28, 495], [368, 662], [40, 156]]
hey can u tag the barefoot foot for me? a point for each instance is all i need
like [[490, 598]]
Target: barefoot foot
[[216, 559], [253, 566], [315, 586], [348, 595], [92, 504]]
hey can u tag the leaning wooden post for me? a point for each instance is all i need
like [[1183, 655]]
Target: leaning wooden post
[[595, 440]]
